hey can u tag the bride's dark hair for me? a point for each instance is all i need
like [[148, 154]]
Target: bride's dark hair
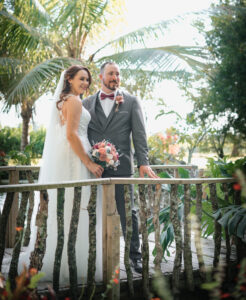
[[69, 74]]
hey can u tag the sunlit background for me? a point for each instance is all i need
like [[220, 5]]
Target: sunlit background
[[139, 13]]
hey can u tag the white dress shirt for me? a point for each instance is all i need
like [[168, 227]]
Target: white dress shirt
[[107, 104]]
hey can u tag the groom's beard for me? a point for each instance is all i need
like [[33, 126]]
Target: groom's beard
[[112, 85]]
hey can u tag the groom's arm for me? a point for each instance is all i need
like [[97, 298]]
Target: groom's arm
[[138, 133], [140, 140]]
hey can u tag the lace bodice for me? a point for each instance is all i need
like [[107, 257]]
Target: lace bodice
[[84, 119], [83, 123], [82, 129]]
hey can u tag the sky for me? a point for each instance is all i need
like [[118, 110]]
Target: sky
[[139, 13]]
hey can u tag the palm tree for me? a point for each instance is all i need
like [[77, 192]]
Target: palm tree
[[39, 38]]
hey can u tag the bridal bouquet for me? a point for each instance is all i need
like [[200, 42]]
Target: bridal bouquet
[[105, 154]]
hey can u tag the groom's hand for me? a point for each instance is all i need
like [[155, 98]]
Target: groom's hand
[[148, 171]]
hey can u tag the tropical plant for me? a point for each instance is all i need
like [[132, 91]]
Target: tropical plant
[[10, 140], [40, 38], [37, 138], [230, 215]]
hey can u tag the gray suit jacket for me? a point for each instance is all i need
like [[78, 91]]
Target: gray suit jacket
[[118, 128]]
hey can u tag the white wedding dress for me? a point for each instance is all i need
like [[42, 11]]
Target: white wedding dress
[[60, 163]]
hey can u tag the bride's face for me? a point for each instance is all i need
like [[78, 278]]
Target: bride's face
[[79, 83]]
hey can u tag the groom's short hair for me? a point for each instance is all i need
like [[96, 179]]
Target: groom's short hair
[[105, 64]]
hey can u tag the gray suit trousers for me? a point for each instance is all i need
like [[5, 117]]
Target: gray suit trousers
[[120, 204]]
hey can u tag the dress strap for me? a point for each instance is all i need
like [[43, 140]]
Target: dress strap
[[67, 96]]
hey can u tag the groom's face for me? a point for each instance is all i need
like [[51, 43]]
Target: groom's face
[[110, 78]]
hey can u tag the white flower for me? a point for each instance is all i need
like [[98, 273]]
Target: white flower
[[111, 162], [94, 152], [110, 156]]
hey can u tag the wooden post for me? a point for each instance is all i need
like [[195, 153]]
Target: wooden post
[[10, 233], [176, 173], [113, 254], [111, 239], [187, 239]]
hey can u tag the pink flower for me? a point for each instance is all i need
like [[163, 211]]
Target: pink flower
[[175, 137], [173, 149], [105, 154], [118, 99]]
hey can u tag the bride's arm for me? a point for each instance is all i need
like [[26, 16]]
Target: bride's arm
[[72, 111]]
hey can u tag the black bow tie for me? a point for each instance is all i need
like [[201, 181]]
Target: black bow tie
[[104, 96]]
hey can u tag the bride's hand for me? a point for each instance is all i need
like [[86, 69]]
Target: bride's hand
[[95, 169]]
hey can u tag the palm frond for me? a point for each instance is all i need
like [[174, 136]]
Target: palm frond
[[42, 12], [171, 58], [9, 68], [141, 35], [71, 14], [10, 62], [157, 76], [32, 34], [37, 78], [95, 12]]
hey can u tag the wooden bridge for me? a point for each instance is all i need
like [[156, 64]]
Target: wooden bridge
[[188, 251]]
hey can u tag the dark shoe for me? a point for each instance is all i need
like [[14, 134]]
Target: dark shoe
[[137, 265]]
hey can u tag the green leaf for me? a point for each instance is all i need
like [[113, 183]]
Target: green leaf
[[233, 223], [35, 279], [241, 228], [164, 174], [183, 173], [217, 214], [210, 286], [226, 217]]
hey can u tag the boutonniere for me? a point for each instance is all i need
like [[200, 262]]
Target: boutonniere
[[118, 99]]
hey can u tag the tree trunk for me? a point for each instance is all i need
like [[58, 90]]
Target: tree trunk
[[26, 114], [221, 153], [190, 153]]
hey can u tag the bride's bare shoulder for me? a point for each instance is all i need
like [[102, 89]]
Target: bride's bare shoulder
[[73, 100]]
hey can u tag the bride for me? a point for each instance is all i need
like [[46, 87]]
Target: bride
[[65, 158]]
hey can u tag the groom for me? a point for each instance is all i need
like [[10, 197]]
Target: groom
[[118, 125]]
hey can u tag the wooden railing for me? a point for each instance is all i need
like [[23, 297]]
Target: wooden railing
[[111, 226], [28, 171]]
